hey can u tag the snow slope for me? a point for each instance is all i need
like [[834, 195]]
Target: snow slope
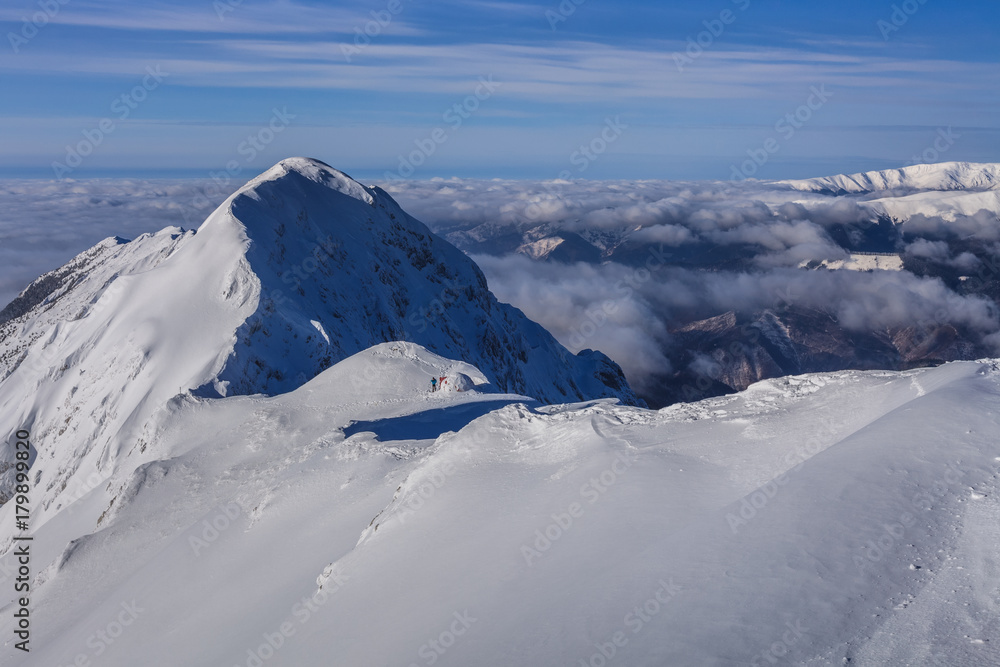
[[300, 268], [824, 519]]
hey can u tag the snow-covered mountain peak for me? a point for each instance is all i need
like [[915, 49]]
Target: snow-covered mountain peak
[[316, 171], [342, 267], [300, 269]]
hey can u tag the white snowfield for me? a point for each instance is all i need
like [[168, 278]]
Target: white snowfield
[[857, 262], [363, 520]]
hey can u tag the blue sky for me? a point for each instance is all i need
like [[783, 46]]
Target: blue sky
[[892, 76]]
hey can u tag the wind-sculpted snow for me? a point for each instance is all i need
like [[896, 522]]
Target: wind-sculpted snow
[[819, 519]]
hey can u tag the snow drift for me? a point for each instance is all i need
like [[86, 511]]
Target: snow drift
[[815, 520]]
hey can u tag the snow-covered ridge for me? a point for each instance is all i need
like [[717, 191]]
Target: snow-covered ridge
[[832, 518], [300, 269], [947, 176]]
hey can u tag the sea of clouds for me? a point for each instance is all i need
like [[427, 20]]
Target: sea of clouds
[[628, 312], [625, 311]]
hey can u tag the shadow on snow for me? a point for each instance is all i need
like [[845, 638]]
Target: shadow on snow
[[429, 424]]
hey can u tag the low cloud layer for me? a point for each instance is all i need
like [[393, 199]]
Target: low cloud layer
[[604, 307], [775, 230], [788, 227], [699, 205], [625, 312], [984, 225]]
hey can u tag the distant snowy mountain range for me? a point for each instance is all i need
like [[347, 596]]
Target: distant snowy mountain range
[[942, 177], [945, 190]]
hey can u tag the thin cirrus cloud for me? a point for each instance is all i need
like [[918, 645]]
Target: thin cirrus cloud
[[234, 61], [209, 17], [563, 71], [414, 52]]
